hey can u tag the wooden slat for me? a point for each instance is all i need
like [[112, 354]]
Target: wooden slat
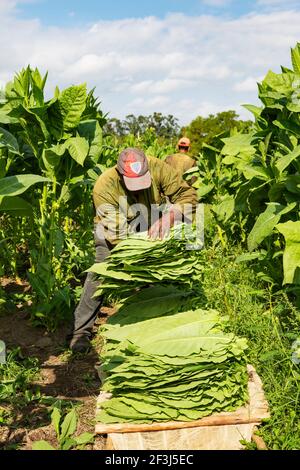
[[209, 421]]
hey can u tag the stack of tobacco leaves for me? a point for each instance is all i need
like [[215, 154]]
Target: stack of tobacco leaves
[[178, 366], [138, 261]]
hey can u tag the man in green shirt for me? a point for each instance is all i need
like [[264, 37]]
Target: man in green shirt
[[181, 161], [131, 196]]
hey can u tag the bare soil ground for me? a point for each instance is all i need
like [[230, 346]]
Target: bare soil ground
[[63, 376]]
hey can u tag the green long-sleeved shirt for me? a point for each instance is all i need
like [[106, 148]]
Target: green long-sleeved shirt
[[181, 162], [167, 186]]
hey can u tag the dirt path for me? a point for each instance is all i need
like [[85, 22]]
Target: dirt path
[[62, 376]]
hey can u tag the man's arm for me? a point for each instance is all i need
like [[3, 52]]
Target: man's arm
[[111, 220], [182, 197]]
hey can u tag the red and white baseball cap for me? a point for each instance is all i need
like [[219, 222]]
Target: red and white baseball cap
[[184, 142], [133, 165]]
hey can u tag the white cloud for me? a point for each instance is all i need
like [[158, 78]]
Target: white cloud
[[248, 84], [10, 6], [181, 65], [161, 86], [206, 107], [158, 100]]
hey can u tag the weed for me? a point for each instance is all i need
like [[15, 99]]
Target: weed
[[65, 426], [270, 322]]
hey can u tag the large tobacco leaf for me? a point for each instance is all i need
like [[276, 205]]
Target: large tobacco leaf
[[138, 261], [291, 256], [266, 222], [176, 367], [257, 184]]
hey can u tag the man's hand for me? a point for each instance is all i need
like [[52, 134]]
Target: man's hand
[[161, 228]]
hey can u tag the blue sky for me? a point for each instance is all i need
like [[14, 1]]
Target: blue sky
[[180, 57], [70, 12]]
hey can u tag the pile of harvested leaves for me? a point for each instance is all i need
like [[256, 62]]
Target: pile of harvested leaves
[[138, 261], [180, 366]]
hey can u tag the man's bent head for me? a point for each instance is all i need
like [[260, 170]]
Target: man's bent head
[[133, 166]]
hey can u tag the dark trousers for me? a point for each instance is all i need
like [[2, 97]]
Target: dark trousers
[[86, 312]]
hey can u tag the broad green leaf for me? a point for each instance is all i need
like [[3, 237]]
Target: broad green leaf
[[68, 444], [285, 69], [255, 110], [256, 171], [52, 156], [275, 191], [38, 79], [225, 210], [285, 161], [38, 84], [15, 206], [291, 256], [15, 185], [240, 143], [55, 420], [42, 445], [5, 118], [55, 116], [230, 160], [168, 300], [266, 223], [295, 53], [72, 104], [69, 425], [280, 83], [84, 438], [175, 359], [8, 140], [126, 263], [65, 110], [161, 365], [58, 241], [292, 183], [205, 189], [42, 118], [92, 132], [137, 331], [295, 106], [287, 125], [248, 257], [78, 148]]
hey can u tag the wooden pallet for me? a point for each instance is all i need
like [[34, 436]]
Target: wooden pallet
[[221, 431]]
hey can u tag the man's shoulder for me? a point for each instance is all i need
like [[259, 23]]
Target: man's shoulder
[[153, 160], [179, 158], [186, 156], [177, 154], [157, 163], [107, 178]]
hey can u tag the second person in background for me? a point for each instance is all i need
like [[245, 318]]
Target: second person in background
[[181, 161]]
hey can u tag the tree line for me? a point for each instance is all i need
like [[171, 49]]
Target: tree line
[[202, 130]]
